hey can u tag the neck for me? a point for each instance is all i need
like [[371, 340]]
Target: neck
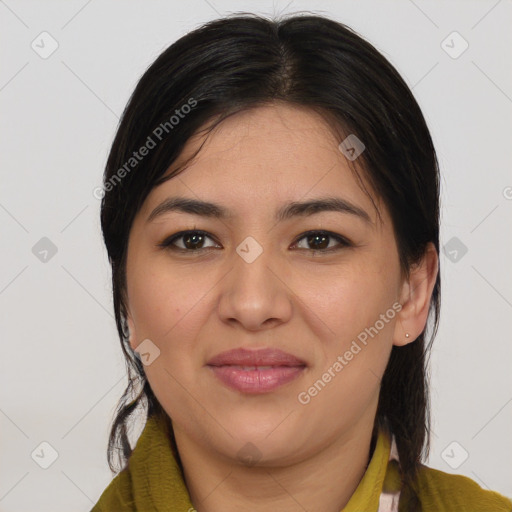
[[323, 482]]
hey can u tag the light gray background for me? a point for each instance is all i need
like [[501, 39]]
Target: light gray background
[[61, 367]]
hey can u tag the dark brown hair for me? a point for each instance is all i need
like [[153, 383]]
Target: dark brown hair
[[244, 61]]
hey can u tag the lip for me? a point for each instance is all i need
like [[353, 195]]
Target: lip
[[279, 368], [260, 357]]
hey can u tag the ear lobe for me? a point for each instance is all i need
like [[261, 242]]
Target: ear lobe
[[415, 297]]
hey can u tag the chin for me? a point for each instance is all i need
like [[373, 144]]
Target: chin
[[264, 452], [267, 443]]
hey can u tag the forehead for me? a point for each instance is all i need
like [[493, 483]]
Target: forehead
[[264, 157]]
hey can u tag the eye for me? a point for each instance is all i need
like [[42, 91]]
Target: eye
[[192, 240], [320, 241]]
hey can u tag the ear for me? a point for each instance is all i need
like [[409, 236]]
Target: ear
[[415, 297], [131, 331]]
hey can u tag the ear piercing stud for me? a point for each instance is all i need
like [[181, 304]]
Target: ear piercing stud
[[407, 335]]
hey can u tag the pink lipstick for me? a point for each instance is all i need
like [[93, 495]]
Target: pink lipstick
[[256, 371]]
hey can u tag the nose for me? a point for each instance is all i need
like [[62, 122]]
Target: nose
[[256, 294]]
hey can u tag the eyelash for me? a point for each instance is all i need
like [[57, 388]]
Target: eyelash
[[168, 242]]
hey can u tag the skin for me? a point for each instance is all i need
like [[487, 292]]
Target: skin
[[193, 306]]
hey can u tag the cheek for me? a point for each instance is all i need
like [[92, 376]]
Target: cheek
[[357, 306], [162, 300], [351, 298], [166, 306], [356, 303]]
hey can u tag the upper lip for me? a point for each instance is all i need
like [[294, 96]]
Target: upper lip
[[260, 357]]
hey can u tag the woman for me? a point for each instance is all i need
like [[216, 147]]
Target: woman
[[271, 214]]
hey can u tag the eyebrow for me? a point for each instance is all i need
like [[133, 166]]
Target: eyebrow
[[288, 211]]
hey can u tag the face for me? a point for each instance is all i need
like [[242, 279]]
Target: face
[[322, 285]]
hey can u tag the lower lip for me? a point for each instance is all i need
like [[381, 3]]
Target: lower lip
[[256, 381]]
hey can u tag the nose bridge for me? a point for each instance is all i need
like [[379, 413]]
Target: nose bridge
[[252, 293], [251, 267]]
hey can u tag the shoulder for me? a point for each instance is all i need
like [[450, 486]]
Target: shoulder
[[117, 496], [440, 491]]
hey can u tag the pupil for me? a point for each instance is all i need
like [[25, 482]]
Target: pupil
[[193, 240], [313, 239]]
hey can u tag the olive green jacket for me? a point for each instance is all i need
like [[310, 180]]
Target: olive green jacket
[[153, 482]]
